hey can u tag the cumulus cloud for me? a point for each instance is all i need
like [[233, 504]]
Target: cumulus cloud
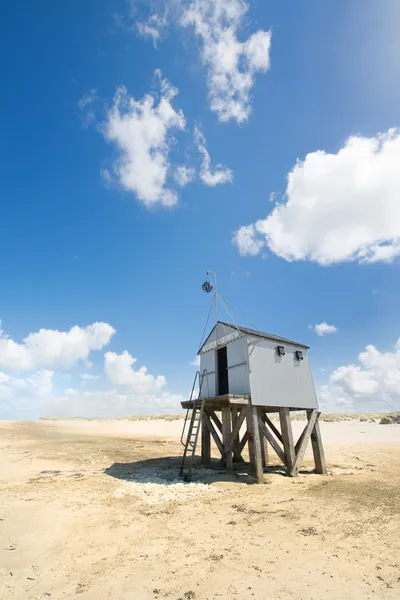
[[246, 239], [372, 385], [339, 207], [141, 131], [208, 175], [232, 64], [119, 370], [33, 395], [323, 328], [53, 349], [24, 390]]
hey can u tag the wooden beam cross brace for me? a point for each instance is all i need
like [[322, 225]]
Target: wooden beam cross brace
[[304, 439]]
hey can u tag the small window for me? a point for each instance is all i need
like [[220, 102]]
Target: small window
[[299, 355], [280, 350]]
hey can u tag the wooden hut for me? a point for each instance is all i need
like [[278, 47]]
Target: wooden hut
[[245, 374]]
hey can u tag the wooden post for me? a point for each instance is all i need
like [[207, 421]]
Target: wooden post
[[205, 442], [249, 432], [234, 415], [255, 443], [264, 442], [226, 433], [318, 449], [287, 438]]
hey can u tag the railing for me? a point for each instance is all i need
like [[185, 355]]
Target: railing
[[201, 380]]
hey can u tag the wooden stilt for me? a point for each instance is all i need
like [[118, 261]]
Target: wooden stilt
[[234, 415], [264, 442], [226, 434], [250, 445], [318, 449], [287, 438], [205, 443], [255, 433]]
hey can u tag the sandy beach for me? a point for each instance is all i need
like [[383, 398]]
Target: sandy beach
[[93, 508]]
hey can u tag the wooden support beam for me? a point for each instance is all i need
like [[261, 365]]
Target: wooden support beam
[[205, 443], [273, 428], [317, 446], [303, 445], [212, 414], [234, 415], [250, 446], [231, 442], [287, 437], [272, 440], [226, 437], [264, 442], [244, 441], [256, 446], [213, 433]]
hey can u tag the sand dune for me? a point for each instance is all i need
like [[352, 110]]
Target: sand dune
[[94, 508]]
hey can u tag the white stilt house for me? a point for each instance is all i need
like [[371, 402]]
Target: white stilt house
[[245, 374]]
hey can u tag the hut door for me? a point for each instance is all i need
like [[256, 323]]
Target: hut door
[[222, 362]]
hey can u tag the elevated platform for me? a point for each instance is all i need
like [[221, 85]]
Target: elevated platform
[[242, 425], [234, 400]]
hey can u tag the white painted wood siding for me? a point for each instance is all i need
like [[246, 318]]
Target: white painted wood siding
[[279, 380], [207, 361]]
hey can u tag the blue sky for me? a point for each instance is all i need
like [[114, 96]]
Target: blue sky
[[246, 98]]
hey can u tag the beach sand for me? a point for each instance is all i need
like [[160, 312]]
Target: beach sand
[[93, 508]]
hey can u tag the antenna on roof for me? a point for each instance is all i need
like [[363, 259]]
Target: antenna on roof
[[208, 287]]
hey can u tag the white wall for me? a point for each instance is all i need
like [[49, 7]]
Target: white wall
[[279, 381], [207, 361], [238, 373]]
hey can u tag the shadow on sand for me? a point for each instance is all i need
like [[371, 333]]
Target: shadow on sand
[[165, 471]]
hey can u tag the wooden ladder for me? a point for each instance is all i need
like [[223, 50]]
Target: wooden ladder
[[197, 408]]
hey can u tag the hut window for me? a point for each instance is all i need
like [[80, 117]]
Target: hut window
[[299, 355], [280, 350]]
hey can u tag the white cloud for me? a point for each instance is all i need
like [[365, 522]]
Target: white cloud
[[133, 391], [231, 64], [195, 362], [71, 392], [339, 207], [372, 385], [323, 328], [110, 403], [53, 349], [184, 175], [13, 389], [209, 176], [88, 377], [153, 27], [247, 241], [119, 369], [141, 131], [85, 107]]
